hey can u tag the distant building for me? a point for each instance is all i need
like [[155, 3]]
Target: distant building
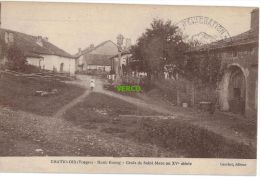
[[96, 58], [38, 51], [237, 90], [119, 65]]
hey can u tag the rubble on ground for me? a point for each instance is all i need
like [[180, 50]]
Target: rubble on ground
[[46, 93]]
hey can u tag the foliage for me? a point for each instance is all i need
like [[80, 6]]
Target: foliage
[[205, 66], [3, 47], [161, 49], [159, 45], [15, 59], [31, 69]]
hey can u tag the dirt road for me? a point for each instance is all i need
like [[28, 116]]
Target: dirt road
[[84, 80], [23, 133], [219, 123], [26, 134]]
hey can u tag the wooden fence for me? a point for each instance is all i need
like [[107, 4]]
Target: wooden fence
[[42, 75]]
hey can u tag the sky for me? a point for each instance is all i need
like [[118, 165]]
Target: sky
[[73, 25]]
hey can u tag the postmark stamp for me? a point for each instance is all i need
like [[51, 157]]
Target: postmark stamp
[[202, 30]]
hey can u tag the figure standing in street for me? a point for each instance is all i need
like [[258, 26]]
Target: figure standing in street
[[92, 84]]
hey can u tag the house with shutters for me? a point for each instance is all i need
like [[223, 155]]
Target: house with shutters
[[38, 51], [96, 58]]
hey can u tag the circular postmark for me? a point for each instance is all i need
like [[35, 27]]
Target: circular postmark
[[200, 30]]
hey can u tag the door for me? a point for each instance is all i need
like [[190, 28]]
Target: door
[[237, 92], [61, 67]]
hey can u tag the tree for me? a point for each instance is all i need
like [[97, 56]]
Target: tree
[[205, 66], [15, 58], [160, 44]]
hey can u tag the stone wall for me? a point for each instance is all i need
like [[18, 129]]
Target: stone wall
[[194, 92], [238, 56], [247, 61]]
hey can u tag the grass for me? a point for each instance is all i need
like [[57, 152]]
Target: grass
[[100, 102], [165, 90], [18, 93], [100, 112], [196, 142], [246, 126], [125, 93]]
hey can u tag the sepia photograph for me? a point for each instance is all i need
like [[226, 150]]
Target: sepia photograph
[[128, 81]]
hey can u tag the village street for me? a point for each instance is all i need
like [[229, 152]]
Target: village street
[[24, 133], [197, 84], [158, 105], [129, 88]]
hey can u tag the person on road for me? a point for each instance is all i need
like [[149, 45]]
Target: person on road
[[92, 84]]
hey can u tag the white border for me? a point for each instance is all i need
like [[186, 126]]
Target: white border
[[244, 3]]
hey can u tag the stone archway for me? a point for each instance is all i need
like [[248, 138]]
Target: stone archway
[[232, 94]]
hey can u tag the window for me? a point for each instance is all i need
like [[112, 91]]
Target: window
[[9, 37]]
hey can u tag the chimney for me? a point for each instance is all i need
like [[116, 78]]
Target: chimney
[[39, 40], [255, 19], [45, 39], [79, 51], [9, 38]]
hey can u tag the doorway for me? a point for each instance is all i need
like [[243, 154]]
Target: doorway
[[237, 91], [61, 67]]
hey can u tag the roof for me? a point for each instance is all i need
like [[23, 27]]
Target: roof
[[28, 44], [88, 49], [102, 60], [122, 53], [248, 37], [33, 55]]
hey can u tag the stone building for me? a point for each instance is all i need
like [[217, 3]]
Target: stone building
[[119, 65], [96, 58], [237, 89], [37, 50]]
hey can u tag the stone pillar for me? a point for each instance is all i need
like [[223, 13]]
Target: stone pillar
[[223, 92]]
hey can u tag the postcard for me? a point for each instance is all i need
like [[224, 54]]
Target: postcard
[[114, 88]]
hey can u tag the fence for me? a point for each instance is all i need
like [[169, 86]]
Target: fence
[[186, 91], [195, 92], [42, 75]]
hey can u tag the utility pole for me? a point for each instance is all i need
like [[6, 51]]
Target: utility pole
[[120, 40]]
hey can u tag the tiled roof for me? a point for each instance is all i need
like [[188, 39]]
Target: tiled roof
[[28, 44], [33, 55], [247, 37], [88, 50], [102, 60]]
